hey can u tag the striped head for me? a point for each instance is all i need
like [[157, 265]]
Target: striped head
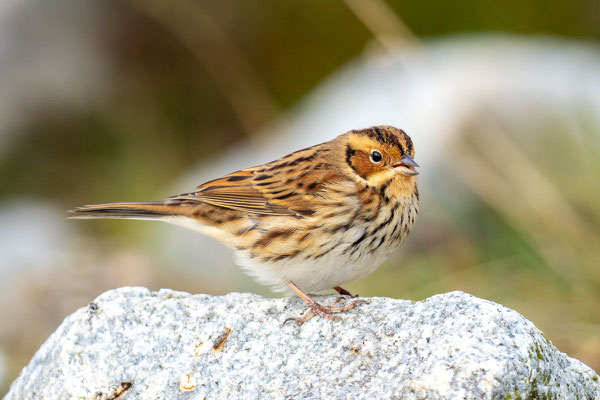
[[379, 155]]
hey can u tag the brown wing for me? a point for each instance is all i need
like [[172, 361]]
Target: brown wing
[[292, 185]]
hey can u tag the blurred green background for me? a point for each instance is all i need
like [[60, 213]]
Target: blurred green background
[[126, 100]]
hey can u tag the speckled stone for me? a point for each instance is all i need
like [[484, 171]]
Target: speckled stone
[[139, 344]]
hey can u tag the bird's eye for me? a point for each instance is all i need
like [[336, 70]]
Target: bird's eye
[[376, 156]]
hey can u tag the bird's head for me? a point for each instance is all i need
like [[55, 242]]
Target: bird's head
[[379, 155]]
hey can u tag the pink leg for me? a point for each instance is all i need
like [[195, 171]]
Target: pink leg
[[316, 308]]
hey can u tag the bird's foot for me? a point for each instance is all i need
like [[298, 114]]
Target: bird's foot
[[319, 309], [325, 311]]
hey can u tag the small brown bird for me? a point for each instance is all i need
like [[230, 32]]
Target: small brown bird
[[315, 219]]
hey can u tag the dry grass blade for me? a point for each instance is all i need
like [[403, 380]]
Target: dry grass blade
[[509, 182], [486, 183], [222, 59], [384, 24]]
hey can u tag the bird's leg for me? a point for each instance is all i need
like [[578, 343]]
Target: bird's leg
[[343, 291], [316, 308], [311, 313]]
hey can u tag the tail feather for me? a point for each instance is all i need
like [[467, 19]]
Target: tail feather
[[134, 210]]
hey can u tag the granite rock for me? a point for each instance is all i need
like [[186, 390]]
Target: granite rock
[[132, 343]]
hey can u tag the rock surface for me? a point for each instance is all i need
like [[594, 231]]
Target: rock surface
[[131, 343]]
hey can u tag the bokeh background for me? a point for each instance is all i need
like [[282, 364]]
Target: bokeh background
[[139, 100]]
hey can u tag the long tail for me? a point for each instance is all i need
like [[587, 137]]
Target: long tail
[[134, 210]]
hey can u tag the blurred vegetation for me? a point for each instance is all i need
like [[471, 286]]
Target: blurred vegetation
[[171, 103], [175, 112]]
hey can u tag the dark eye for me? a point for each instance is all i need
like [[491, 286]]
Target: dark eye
[[376, 156]]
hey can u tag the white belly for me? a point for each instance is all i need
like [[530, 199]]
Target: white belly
[[332, 269]]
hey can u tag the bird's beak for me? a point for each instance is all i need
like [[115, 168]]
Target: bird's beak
[[408, 161], [406, 166]]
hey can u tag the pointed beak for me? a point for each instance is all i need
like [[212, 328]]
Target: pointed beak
[[407, 165], [408, 161]]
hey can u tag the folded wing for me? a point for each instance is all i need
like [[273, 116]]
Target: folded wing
[[290, 186]]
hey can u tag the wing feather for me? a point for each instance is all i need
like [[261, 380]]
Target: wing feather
[[290, 186]]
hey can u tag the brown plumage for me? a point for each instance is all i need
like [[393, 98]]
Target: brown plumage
[[315, 219]]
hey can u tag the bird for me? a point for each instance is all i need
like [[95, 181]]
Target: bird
[[315, 219]]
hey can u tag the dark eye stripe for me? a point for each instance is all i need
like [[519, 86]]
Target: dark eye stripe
[[349, 153]]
